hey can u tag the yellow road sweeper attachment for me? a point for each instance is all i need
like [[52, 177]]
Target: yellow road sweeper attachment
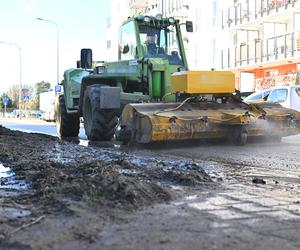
[[206, 108]]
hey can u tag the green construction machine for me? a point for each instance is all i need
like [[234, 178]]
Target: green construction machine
[[150, 95]]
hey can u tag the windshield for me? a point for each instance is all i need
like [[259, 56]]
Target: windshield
[[161, 43], [278, 95], [257, 96]]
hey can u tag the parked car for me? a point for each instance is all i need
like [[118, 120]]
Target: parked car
[[287, 96], [35, 114], [19, 113], [49, 115]]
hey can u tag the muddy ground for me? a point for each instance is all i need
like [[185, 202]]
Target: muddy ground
[[74, 190], [62, 195]]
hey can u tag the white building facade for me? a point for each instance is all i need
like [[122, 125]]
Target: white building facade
[[261, 42]]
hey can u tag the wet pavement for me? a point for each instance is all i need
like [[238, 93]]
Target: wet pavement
[[250, 199], [11, 187], [235, 214], [254, 204], [9, 182], [228, 218]]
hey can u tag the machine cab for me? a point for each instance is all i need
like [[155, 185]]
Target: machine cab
[[150, 37]]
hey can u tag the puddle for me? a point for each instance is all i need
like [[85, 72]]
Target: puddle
[[14, 184], [8, 180], [84, 143], [129, 171], [13, 213], [5, 172], [191, 197], [99, 144], [10, 187]]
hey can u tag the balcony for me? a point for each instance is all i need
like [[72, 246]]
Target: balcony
[[138, 3], [250, 10], [267, 82], [260, 51]]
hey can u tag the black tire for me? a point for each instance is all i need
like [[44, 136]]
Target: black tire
[[99, 124], [67, 125]]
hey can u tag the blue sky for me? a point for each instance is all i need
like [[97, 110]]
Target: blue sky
[[82, 24]]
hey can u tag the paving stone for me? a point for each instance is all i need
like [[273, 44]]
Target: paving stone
[[250, 207], [204, 206], [281, 214], [228, 214]]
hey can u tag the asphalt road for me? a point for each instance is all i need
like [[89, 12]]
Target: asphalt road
[[35, 126], [40, 126]]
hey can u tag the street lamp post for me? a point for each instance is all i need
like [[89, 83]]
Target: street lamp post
[[57, 45], [20, 68]]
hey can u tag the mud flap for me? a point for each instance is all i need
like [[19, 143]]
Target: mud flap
[[110, 97]]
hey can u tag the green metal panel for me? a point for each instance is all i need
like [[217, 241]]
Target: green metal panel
[[133, 97], [129, 70], [72, 84], [156, 84], [181, 46]]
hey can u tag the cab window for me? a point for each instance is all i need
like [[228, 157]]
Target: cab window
[[160, 42], [127, 42]]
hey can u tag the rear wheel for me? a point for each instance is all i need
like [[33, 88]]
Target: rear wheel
[[99, 124], [67, 125]]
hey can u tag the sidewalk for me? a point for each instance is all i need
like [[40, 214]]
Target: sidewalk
[[235, 216]]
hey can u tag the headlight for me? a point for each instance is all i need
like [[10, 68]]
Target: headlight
[[100, 69], [171, 20], [159, 17], [140, 18], [147, 19]]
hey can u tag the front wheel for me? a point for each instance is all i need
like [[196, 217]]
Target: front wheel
[[99, 124]]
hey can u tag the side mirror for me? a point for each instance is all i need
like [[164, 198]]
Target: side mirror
[[86, 59], [189, 26], [125, 49]]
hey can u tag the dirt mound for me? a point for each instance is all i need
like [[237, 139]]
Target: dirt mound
[[4, 131], [57, 171], [97, 182], [71, 191]]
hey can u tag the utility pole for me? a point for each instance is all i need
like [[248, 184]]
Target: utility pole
[[57, 46], [20, 71]]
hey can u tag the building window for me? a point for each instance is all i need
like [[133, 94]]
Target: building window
[[108, 44], [215, 14], [108, 22]]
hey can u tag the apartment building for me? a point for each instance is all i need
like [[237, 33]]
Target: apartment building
[[120, 10], [261, 42], [200, 45]]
